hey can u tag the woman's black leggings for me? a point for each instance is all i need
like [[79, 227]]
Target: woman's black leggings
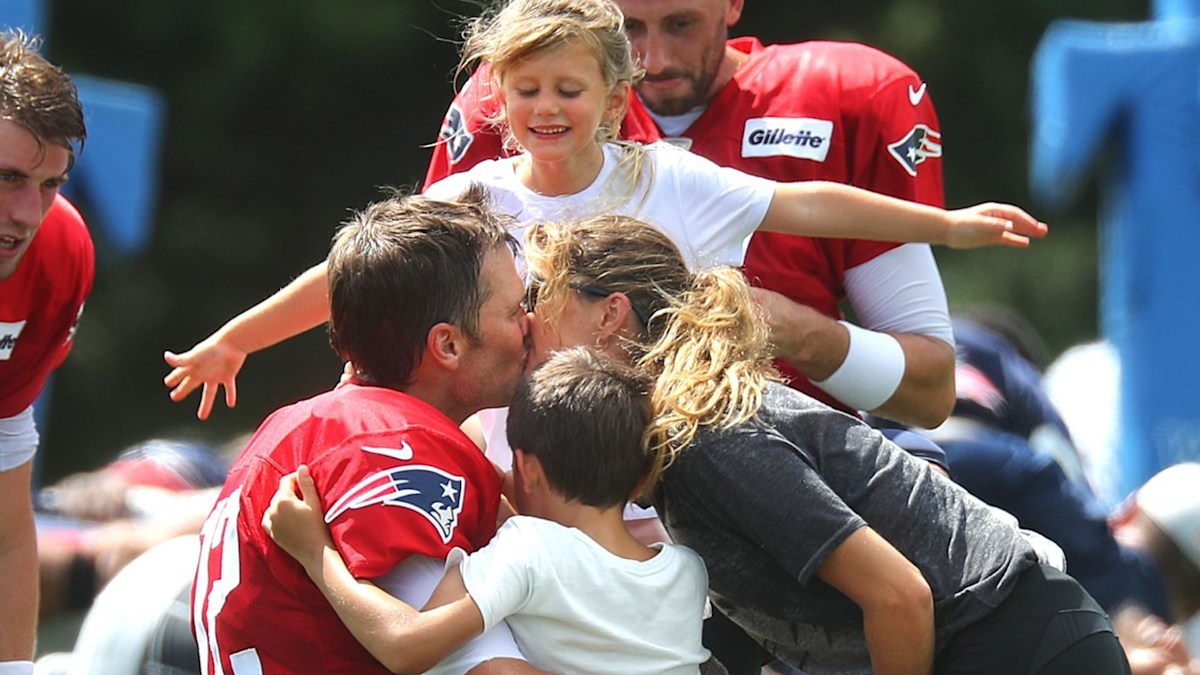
[[1048, 625]]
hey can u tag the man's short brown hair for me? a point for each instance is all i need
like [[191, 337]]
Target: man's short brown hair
[[401, 266], [37, 94]]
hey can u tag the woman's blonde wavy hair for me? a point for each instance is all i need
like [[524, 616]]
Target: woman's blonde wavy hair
[[706, 344]]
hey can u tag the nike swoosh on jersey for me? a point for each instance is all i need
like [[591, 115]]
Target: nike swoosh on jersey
[[915, 95], [403, 453]]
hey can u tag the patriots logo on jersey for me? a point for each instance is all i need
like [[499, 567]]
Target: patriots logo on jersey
[[920, 144], [455, 135], [427, 490]]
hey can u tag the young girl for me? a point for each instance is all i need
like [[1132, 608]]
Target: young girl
[[564, 70]]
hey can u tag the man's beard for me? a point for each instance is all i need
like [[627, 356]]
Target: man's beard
[[675, 105], [699, 82]]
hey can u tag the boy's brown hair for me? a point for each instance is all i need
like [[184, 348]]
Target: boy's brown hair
[[584, 416]]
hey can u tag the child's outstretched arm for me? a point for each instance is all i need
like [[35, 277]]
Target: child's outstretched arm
[[215, 361], [825, 209], [401, 638]]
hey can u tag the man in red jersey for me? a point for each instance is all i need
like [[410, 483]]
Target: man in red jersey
[[46, 269], [809, 111], [403, 485]]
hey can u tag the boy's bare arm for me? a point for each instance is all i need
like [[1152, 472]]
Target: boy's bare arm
[[402, 639], [397, 635]]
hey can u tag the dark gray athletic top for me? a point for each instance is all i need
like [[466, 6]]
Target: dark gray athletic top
[[765, 503]]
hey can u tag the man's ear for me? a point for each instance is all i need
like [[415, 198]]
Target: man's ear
[[444, 345], [733, 12]]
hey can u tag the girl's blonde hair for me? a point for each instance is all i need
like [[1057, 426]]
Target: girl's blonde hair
[[705, 343], [518, 29]]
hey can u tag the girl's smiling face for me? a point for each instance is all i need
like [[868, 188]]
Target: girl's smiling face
[[556, 99]]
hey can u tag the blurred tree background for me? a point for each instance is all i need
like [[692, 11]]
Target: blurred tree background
[[285, 115]]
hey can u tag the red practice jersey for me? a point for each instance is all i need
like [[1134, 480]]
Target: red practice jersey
[[396, 478], [833, 111], [40, 305]]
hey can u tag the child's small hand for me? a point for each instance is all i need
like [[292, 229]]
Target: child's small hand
[[296, 522], [212, 363], [993, 224]]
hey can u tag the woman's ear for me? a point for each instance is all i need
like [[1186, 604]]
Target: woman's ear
[[618, 312]]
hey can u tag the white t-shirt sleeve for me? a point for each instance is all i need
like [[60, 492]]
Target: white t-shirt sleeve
[[900, 291], [724, 206], [500, 576], [18, 439], [413, 581]]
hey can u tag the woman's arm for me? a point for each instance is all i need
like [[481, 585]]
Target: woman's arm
[[215, 361], [896, 602], [825, 209]]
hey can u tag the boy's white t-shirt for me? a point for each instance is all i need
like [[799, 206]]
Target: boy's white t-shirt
[[575, 607], [707, 210]]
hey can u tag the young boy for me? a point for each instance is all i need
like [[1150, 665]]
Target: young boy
[[578, 591]]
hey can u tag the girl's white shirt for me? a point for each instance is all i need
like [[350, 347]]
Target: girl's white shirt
[[708, 211]]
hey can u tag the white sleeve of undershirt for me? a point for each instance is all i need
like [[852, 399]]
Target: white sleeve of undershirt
[[901, 291], [18, 439]]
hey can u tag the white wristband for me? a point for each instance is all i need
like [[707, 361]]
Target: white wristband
[[871, 373], [16, 667]]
